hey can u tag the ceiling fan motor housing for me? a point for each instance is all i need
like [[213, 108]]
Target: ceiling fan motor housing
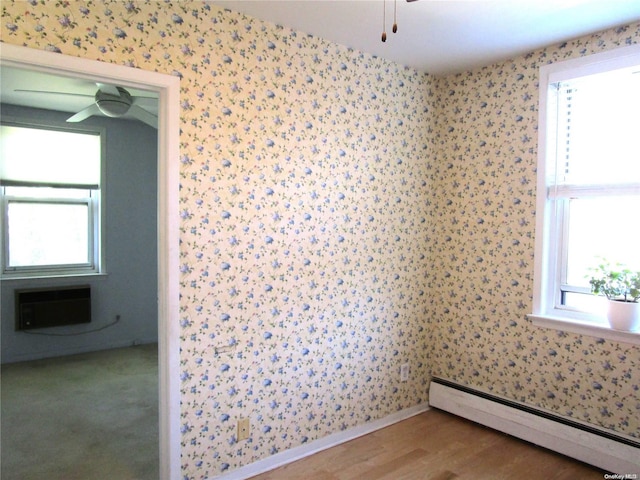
[[112, 105]]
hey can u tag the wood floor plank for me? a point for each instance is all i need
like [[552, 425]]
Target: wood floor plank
[[383, 470], [435, 445]]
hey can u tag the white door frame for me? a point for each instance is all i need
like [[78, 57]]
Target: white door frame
[[168, 89]]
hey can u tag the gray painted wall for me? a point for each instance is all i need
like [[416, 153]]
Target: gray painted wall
[[129, 289]]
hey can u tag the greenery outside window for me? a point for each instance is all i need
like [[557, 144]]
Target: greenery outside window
[[588, 182], [50, 186]]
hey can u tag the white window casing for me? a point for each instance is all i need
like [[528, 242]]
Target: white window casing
[[59, 175], [554, 192]]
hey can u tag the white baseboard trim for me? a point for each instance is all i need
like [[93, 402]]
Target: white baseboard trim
[[297, 453], [605, 449]]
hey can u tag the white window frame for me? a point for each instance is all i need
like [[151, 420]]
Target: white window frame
[[547, 275], [94, 201]]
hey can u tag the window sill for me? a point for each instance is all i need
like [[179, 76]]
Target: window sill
[[53, 276], [583, 328]]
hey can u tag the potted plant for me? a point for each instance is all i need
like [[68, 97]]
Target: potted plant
[[621, 286]]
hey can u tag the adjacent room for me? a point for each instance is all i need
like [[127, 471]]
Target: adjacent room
[[79, 286], [366, 232]]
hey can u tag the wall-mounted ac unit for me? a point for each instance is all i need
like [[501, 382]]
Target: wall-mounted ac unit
[[52, 307]]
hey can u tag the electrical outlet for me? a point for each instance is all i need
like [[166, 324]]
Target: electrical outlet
[[404, 372], [244, 428]]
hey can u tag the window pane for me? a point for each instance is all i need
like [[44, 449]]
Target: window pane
[[48, 234], [602, 228], [586, 302], [38, 155], [601, 128]]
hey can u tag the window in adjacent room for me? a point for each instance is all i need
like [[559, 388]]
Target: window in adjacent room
[[50, 191], [588, 180]]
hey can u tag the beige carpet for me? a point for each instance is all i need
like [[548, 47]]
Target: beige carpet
[[82, 417]]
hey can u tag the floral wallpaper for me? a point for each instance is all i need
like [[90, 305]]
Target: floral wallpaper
[[341, 216], [482, 258]]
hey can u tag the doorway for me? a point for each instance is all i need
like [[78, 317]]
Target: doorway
[[167, 89]]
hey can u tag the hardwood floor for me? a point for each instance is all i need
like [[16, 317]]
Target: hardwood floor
[[437, 446]]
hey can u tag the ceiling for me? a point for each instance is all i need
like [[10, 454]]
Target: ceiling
[[443, 36], [435, 36]]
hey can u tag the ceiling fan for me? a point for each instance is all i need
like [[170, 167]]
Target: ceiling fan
[[111, 101]]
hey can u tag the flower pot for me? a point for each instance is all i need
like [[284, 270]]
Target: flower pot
[[623, 315]]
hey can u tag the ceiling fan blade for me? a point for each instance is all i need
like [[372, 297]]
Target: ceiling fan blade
[[85, 113], [46, 92], [144, 116], [110, 89], [145, 102]]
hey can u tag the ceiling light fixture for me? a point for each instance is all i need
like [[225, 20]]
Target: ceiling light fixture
[[111, 105]]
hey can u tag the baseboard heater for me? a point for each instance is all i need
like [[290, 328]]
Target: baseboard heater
[[52, 307], [612, 452]]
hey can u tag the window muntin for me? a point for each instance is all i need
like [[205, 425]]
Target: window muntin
[[50, 189], [589, 179]]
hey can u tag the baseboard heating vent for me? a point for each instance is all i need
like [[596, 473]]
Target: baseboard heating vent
[[612, 452], [52, 307]]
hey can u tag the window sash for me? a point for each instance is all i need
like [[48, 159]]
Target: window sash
[[79, 186], [562, 215], [92, 248], [556, 192]]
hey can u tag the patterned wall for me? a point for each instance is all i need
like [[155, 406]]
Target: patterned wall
[[342, 215], [482, 263]]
